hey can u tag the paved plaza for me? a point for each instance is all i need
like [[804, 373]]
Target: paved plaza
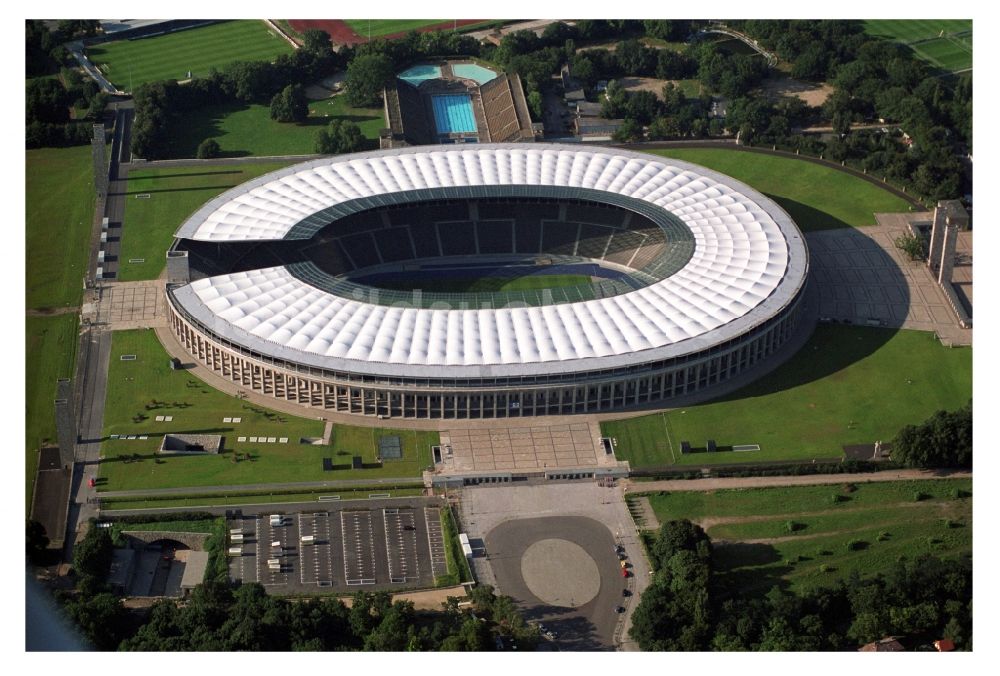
[[133, 305], [863, 278], [535, 447]]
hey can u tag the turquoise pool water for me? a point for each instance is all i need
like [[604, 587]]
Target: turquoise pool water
[[473, 72], [419, 73], [453, 113]]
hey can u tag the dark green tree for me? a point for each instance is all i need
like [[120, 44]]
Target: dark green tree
[[317, 41], [290, 105], [340, 136], [367, 76], [208, 149]]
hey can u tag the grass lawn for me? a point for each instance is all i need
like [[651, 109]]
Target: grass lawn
[[817, 197], [848, 385], [380, 27], [51, 353], [129, 63], [769, 536], [243, 130], [59, 211], [947, 53], [176, 193], [487, 284], [135, 385], [910, 30], [946, 43]]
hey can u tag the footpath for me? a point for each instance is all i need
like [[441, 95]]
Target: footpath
[[714, 484]]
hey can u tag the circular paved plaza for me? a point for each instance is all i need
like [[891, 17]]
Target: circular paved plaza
[[562, 571]]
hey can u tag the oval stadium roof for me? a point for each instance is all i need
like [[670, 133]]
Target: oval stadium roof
[[749, 262]]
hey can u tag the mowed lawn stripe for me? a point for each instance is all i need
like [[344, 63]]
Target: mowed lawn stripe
[[816, 197], [175, 193], [244, 130], [129, 63], [59, 212], [51, 354], [884, 519], [847, 385], [141, 389]]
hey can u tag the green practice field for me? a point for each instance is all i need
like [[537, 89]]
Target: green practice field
[[130, 63], [817, 197], [175, 193], [243, 130], [848, 385], [59, 213], [945, 43], [487, 284], [51, 353], [142, 389], [382, 27], [811, 536]]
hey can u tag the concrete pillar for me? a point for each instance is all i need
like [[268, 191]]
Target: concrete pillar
[[947, 262], [937, 237]]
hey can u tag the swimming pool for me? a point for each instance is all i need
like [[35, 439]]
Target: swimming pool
[[417, 74], [473, 72], [453, 113]]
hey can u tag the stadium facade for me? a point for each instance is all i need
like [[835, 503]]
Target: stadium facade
[[694, 279]]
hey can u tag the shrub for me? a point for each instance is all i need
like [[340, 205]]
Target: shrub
[[920, 496], [208, 149], [826, 568], [794, 526], [883, 536], [837, 498], [856, 545]]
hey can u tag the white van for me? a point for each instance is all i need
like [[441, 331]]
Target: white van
[[307, 539], [277, 520], [236, 551], [236, 537]]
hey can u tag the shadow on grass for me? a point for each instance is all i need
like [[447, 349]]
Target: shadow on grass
[[744, 569], [809, 219], [193, 188]]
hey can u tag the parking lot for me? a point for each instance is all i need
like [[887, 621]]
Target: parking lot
[[342, 549]]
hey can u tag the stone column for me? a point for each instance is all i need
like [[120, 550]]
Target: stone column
[[947, 262]]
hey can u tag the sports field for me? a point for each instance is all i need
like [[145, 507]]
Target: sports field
[[945, 43], [175, 193], [50, 354], [848, 385], [382, 27], [487, 284], [141, 389], [129, 63], [817, 197], [242, 130], [811, 536], [59, 213]]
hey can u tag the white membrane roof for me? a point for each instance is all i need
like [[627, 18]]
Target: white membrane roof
[[749, 262]]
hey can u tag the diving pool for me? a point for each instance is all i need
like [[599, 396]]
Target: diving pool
[[471, 71], [417, 74]]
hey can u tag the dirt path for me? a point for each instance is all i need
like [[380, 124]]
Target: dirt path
[[715, 484], [52, 311]]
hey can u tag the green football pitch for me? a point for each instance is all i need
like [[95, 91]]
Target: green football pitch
[[945, 43], [487, 284], [129, 63]]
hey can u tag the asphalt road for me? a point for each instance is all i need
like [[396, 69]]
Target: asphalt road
[[590, 626]]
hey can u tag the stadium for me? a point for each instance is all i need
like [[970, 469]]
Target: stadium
[[486, 281]]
